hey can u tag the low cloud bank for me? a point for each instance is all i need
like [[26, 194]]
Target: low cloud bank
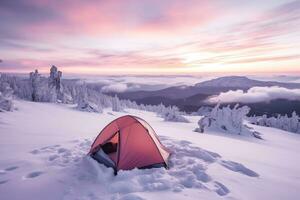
[[121, 84], [256, 94], [117, 87]]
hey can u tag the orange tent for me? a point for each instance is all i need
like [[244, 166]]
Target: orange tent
[[129, 142]]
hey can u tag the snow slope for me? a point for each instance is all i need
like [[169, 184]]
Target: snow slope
[[43, 156]]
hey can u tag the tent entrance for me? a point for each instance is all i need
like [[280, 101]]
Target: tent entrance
[[111, 147], [108, 152]]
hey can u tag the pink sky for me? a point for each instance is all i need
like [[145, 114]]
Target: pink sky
[[150, 36]]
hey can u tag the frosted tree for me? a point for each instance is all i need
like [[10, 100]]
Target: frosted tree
[[295, 123], [225, 119], [83, 102], [290, 124], [116, 104], [6, 95], [20, 86], [55, 78], [171, 113], [6, 90], [34, 78], [204, 110], [6, 103], [203, 123], [54, 85]]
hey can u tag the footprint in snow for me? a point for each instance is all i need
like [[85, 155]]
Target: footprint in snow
[[45, 148], [53, 157], [35, 151], [184, 142], [3, 182], [11, 168], [34, 174], [62, 150], [131, 197], [237, 167], [2, 172], [74, 141], [221, 189]]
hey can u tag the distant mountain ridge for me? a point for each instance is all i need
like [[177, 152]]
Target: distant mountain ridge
[[230, 81], [243, 82], [190, 98], [211, 87]]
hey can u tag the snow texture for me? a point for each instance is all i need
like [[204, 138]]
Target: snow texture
[[51, 162], [188, 170]]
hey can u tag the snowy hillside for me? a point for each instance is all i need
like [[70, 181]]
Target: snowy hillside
[[43, 151]]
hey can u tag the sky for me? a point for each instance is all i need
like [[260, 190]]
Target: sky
[[150, 37]]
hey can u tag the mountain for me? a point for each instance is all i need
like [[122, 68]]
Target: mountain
[[243, 82], [231, 81], [190, 98], [211, 87]]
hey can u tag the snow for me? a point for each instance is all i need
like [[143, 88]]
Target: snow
[[43, 150]]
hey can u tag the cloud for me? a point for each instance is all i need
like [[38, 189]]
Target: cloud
[[256, 94], [267, 37], [133, 83], [117, 87], [167, 37], [97, 17]]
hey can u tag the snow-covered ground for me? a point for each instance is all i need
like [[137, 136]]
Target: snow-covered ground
[[43, 151]]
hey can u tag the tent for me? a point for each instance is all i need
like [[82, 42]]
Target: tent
[[129, 142]]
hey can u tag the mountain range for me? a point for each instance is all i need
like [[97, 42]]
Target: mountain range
[[191, 98]]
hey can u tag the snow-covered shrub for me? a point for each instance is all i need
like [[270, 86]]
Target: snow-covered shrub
[[226, 119], [291, 124], [171, 114]]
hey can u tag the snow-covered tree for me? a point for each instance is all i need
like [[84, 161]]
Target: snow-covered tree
[[88, 97], [83, 102], [204, 110], [291, 124], [6, 92], [6, 103], [34, 78], [294, 123], [203, 123], [54, 78], [54, 85], [171, 114], [226, 119], [116, 104]]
